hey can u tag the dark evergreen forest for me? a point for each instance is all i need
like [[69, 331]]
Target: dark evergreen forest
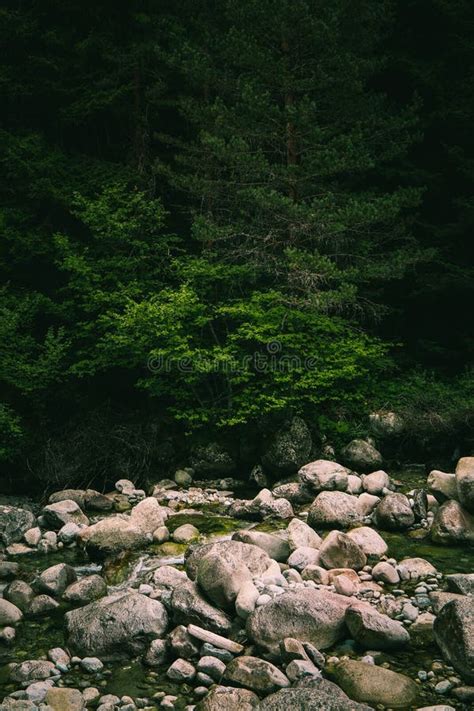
[[192, 188]]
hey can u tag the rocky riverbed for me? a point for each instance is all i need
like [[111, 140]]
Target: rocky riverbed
[[334, 591]]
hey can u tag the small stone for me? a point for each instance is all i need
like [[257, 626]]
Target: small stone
[[185, 533], [91, 665], [181, 671]]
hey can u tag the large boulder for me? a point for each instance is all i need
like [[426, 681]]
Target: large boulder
[[338, 550], [318, 695], [394, 513], [61, 699], [116, 625], [301, 535], [334, 508], [255, 674], [376, 482], [465, 483], [10, 614], [375, 685], [87, 499], [256, 560], [361, 456], [369, 540], [454, 633], [228, 698], [462, 583], [117, 533], [189, 606], [288, 448], [373, 630], [14, 522], [66, 511], [324, 475], [452, 524], [442, 485], [309, 615], [221, 579], [54, 580], [415, 569], [86, 590], [275, 547]]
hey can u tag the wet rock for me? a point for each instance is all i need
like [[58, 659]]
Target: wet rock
[[454, 634], [288, 449], [462, 583], [415, 569], [452, 524], [67, 511], [394, 513], [60, 699], [442, 484], [324, 475], [255, 674], [227, 698], [19, 593], [54, 581], [369, 540], [313, 694], [222, 579], [86, 590], [376, 482], [116, 624], [9, 570], [256, 560], [190, 606], [186, 533], [181, 671], [32, 670], [334, 508], [338, 550], [465, 483], [182, 644], [14, 522], [275, 546], [9, 614], [309, 615], [361, 456], [373, 630], [301, 535], [375, 685], [42, 605], [157, 653]]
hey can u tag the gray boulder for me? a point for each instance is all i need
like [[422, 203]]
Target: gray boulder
[[394, 513], [222, 579], [373, 630], [189, 606], [311, 695], [14, 522], [228, 698], [308, 615], [324, 475], [87, 499], [334, 508], [301, 535], [465, 483], [67, 511], [452, 524], [338, 550], [462, 583], [256, 560], [116, 625], [255, 674], [211, 460], [288, 449], [369, 540], [54, 581], [361, 456], [454, 634], [375, 685], [442, 485], [86, 590]]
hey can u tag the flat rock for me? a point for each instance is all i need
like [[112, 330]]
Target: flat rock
[[255, 674], [375, 685]]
